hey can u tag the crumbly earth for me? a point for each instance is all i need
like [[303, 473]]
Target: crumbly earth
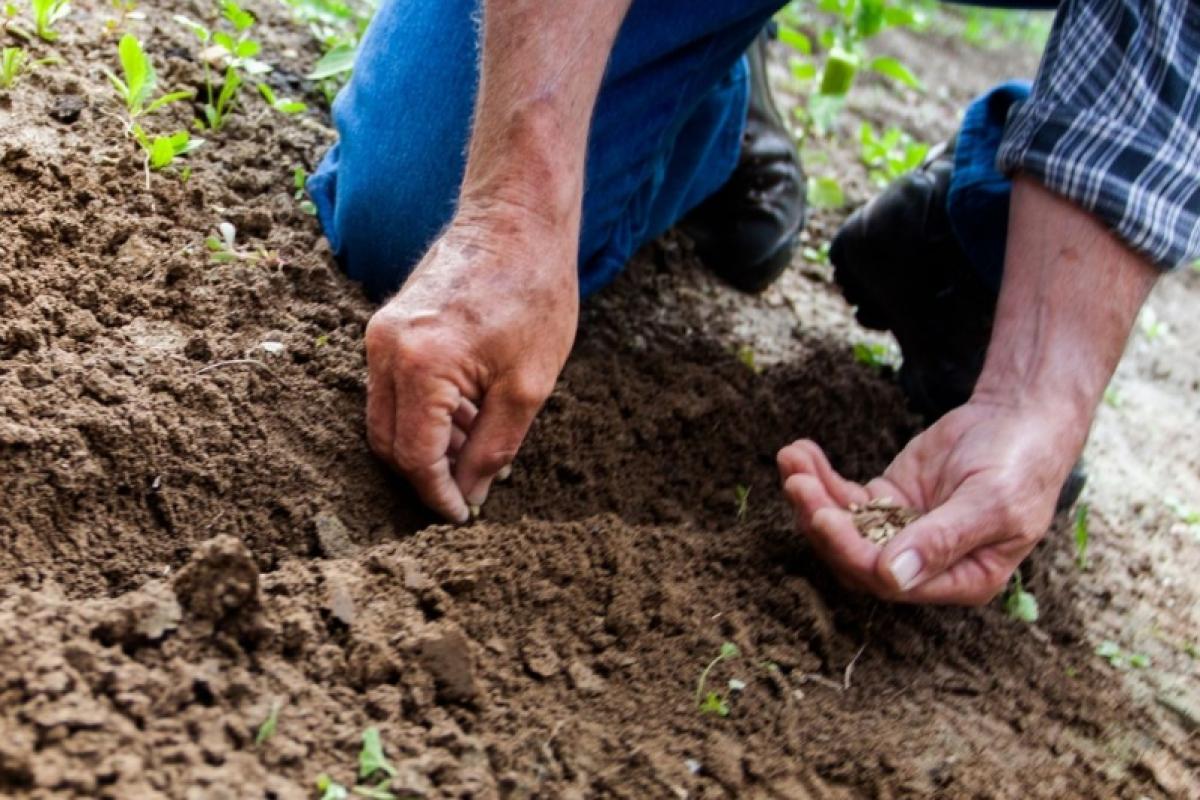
[[187, 543]]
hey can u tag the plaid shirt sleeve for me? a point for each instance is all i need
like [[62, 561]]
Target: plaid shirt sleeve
[[1113, 123]]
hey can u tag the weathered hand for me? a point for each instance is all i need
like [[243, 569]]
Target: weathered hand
[[485, 321], [986, 476]]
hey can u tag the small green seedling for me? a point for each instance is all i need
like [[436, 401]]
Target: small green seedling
[[1081, 536], [817, 255], [236, 52], [874, 354], [379, 792], [714, 702], [47, 14], [140, 80], [283, 105], [223, 248], [745, 354], [331, 789], [161, 151], [371, 758], [825, 192], [741, 497], [1112, 398], [1151, 326], [1020, 604], [890, 154], [13, 63], [267, 729], [299, 184], [1116, 657]]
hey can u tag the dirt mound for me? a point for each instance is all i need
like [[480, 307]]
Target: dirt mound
[[194, 533]]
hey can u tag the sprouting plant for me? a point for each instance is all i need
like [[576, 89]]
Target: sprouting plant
[[817, 255], [708, 702], [299, 184], [1112, 398], [378, 792], [331, 789], [46, 14], [283, 105], [844, 51], [1116, 657], [234, 52], [161, 151], [825, 192], [338, 25], [1020, 604], [267, 729], [745, 354], [223, 249], [741, 498], [890, 154], [371, 758], [125, 10], [1081, 535], [140, 80], [13, 62], [876, 355], [1152, 327]]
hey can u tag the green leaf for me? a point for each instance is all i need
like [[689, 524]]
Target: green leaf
[[371, 759], [202, 33], [162, 152], [803, 70], [1139, 661], [894, 69], [268, 94], [331, 789], [139, 73], [291, 107], [167, 99], [337, 61], [247, 49], [825, 193], [1021, 605], [795, 40], [239, 18], [729, 650], [267, 729], [1081, 535], [838, 76], [714, 704]]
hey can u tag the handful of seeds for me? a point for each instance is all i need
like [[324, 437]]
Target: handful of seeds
[[879, 520]]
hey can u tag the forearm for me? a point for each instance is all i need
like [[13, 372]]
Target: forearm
[[1070, 296], [540, 74]]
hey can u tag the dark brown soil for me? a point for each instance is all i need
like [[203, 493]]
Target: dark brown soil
[[186, 543]]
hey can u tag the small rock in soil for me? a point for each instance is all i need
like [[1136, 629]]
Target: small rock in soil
[[586, 682], [67, 108], [881, 519], [333, 536], [446, 654], [221, 579]]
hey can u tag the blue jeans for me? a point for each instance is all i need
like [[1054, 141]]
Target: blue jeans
[[665, 133]]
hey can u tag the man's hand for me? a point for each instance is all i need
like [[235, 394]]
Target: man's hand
[[488, 317], [987, 474], [485, 322]]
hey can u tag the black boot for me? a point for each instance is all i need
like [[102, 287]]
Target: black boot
[[747, 231], [897, 260]]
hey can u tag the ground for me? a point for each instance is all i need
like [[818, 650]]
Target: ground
[[194, 534]]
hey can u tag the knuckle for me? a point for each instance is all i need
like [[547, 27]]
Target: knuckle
[[528, 393]]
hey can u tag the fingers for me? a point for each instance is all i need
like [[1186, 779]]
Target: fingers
[[495, 437], [947, 556], [806, 457]]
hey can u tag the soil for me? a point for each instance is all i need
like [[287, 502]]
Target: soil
[[194, 532]]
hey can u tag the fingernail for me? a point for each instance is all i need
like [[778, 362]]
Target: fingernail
[[905, 568], [478, 495]]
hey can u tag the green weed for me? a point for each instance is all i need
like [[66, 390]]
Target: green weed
[[47, 14], [339, 27], [125, 10], [1020, 604], [741, 499], [817, 255], [1111, 652], [283, 105], [140, 80], [876, 355], [299, 182], [1112, 398], [13, 63], [331, 789], [235, 53], [1081, 535], [889, 155], [267, 729], [708, 702], [825, 192]]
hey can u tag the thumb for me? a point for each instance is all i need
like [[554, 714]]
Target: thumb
[[935, 542], [492, 444]]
